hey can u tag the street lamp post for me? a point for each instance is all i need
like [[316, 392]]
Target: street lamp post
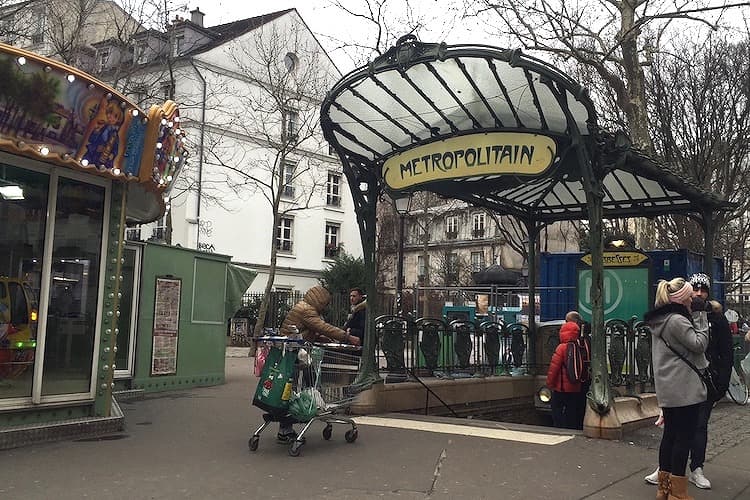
[[402, 204]]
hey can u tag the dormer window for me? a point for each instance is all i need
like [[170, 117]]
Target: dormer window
[[179, 44], [139, 52], [290, 61], [102, 59]]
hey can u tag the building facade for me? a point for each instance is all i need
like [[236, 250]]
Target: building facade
[[251, 92]]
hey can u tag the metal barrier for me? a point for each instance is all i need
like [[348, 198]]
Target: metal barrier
[[460, 349]]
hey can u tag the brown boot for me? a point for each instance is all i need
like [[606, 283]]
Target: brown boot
[[662, 488], [678, 488]]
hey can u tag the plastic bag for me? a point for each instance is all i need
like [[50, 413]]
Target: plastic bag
[[260, 360], [274, 389], [304, 405]]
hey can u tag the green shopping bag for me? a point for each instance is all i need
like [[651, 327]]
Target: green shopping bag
[[275, 386]]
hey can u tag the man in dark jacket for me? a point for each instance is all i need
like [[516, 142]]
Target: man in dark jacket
[[719, 355], [356, 320]]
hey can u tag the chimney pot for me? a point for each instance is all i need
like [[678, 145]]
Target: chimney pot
[[196, 16]]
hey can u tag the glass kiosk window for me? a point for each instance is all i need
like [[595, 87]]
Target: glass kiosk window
[[23, 209], [73, 281]]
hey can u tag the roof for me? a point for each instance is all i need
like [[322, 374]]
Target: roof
[[525, 128], [223, 33]]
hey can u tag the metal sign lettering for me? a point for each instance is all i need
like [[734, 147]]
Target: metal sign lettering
[[470, 156]]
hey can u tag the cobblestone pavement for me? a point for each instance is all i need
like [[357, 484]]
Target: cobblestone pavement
[[729, 425]]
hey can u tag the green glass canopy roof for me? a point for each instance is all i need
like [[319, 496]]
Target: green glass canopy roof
[[426, 94]]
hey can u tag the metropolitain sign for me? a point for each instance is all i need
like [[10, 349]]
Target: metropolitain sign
[[470, 156]]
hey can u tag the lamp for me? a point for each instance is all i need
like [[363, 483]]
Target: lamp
[[402, 203]]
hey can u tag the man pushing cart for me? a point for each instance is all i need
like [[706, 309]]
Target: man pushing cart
[[308, 375]]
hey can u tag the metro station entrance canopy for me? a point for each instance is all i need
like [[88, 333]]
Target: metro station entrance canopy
[[500, 130]]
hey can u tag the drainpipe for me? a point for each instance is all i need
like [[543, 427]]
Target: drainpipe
[[200, 154]]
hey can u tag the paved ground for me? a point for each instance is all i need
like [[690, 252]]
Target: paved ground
[[193, 445]]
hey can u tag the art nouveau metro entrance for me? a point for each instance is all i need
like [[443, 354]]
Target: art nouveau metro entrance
[[503, 131]]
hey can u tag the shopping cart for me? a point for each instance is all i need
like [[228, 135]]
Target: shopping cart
[[323, 388]]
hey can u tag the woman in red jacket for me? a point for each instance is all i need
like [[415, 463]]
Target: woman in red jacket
[[566, 407]]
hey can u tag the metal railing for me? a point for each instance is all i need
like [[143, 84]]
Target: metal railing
[[432, 347]]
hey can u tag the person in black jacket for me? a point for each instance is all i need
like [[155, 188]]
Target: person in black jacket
[[719, 355], [355, 321]]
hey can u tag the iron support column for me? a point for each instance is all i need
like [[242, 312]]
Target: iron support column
[[400, 268], [533, 232]]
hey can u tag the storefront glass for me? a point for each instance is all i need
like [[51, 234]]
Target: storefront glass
[[127, 305], [76, 257], [23, 209]]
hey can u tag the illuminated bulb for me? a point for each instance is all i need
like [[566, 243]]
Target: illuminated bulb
[[84, 162], [116, 171], [170, 124], [21, 60], [163, 121], [176, 159], [166, 198], [169, 178], [158, 145], [178, 131], [135, 112], [44, 150], [71, 78], [161, 182], [176, 118]]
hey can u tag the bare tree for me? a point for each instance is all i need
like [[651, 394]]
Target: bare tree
[[614, 39], [700, 102], [380, 23], [283, 77], [451, 269]]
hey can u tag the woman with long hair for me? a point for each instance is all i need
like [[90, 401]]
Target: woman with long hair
[[679, 389]]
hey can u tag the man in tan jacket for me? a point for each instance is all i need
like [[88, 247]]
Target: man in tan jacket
[[305, 315]]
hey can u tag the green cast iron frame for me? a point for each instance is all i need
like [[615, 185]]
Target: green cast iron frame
[[595, 174]]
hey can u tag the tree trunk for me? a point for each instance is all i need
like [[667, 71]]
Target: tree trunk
[[263, 309]]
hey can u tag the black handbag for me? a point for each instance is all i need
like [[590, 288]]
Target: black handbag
[[712, 392]]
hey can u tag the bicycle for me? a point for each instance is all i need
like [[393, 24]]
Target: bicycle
[[738, 381]]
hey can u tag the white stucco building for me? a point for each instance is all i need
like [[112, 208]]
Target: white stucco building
[[250, 94]]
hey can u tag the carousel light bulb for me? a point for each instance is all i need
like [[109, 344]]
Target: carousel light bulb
[[163, 121], [84, 162], [44, 150], [21, 60], [169, 178], [135, 112], [116, 171], [176, 118], [176, 159], [71, 78], [170, 124], [158, 145], [177, 131], [166, 198], [161, 182]]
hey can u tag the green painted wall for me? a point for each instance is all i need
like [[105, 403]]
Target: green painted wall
[[202, 326]]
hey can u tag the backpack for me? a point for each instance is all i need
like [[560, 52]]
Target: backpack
[[577, 360]]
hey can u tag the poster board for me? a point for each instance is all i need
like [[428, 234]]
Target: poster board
[[166, 325]]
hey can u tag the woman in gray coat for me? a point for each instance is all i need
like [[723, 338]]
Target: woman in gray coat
[[679, 389]]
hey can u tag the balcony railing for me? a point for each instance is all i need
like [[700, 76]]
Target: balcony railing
[[477, 233]]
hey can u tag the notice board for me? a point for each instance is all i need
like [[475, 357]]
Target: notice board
[[166, 325]]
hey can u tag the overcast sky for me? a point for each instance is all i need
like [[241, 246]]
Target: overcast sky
[[323, 19]]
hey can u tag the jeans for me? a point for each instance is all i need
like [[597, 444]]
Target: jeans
[[567, 410], [679, 428], [698, 446]]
